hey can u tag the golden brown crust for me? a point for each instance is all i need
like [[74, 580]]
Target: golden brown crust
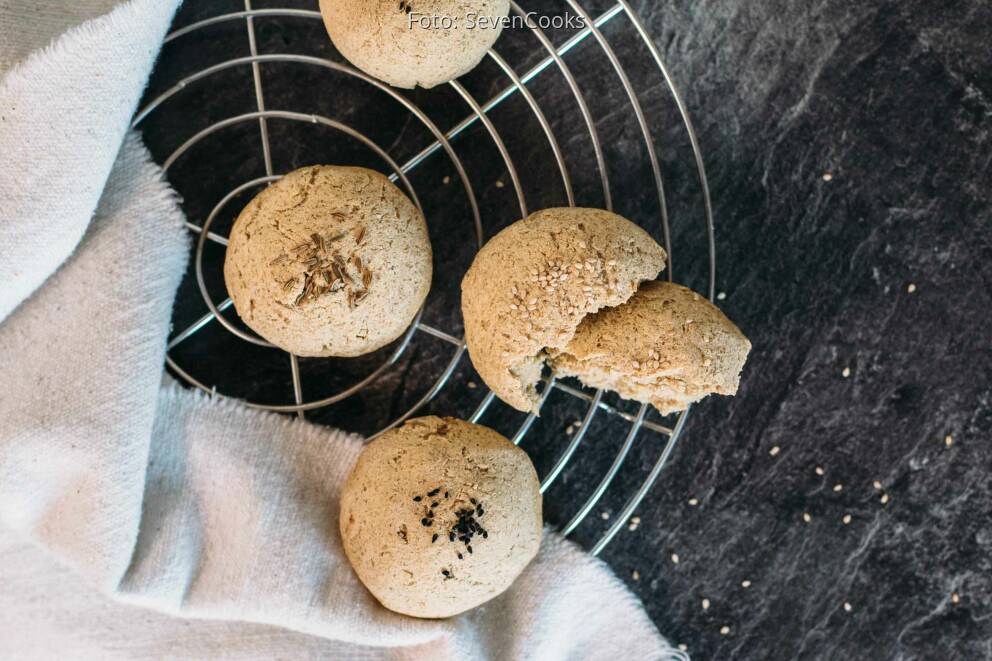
[[432, 469], [667, 346], [532, 284], [329, 261], [388, 39]]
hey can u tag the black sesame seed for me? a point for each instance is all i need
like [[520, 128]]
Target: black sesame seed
[[473, 501], [429, 523], [469, 548], [480, 511], [435, 504], [485, 535], [425, 522], [451, 537], [430, 514], [417, 499], [445, 494], [446, 572], [434, 538], [460, 556], [431, 494]]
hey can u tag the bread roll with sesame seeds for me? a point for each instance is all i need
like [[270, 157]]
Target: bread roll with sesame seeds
[[439, 516], [667, 346], [329, 261], [533, 283], [407, 43]]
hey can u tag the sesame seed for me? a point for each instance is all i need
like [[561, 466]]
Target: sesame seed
[[948, 440], [846, 373], [499, 183], [683, 647], [775, 450], [675, 558], [721, 296], [706, 604], [636, 575], [417, 499], [885, 498], [605, 516], [846, 519], [819, 470], [911, 288], [838, 487], [745, 584], [827, 176], [955, 598], [877, 485], [806, 517], [848, 607], [724, 630], [446, 180]]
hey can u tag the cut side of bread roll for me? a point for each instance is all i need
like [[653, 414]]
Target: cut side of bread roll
[[667, 346]]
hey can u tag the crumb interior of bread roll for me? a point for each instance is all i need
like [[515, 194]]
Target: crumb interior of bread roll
[[667, 346]]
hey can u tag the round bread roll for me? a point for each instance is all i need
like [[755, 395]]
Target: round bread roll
[[667, 346], [532, 284], [329, 261], [439, 516], [414, 42]]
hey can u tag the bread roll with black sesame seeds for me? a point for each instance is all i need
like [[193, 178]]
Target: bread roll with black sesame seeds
[[533, 283], [439, 516], [667, 346], [329, 261], [407, 43]]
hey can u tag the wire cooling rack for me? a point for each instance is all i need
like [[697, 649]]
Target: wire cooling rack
[[516, 84]]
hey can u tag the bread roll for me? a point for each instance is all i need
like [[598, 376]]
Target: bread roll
[[667, 346], [439, 516], [329, 261], [414, 42]]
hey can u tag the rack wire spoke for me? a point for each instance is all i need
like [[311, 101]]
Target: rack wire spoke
[[580, 98], [645, 487], [542, 120], [641, 121], [574, 444], [610, 474], [500, 145]]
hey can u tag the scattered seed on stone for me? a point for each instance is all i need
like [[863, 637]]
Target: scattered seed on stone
[[846, 373], [948, 440], [775, 450], [819, 470], [675, 558], [807, 517], [745, 584], [846, 519], [838, 487], [724, 630], [706, 604], [848, 607]]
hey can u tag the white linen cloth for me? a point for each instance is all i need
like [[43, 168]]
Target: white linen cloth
[[139, 519]]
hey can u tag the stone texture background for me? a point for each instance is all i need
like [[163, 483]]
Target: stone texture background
[[848, 147]]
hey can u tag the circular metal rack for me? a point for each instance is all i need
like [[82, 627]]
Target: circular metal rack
[[555, 58]]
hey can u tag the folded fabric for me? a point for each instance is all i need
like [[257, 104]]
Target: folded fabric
[[121, 491]]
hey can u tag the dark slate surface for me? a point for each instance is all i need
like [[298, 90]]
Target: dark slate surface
[[848, 149]]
